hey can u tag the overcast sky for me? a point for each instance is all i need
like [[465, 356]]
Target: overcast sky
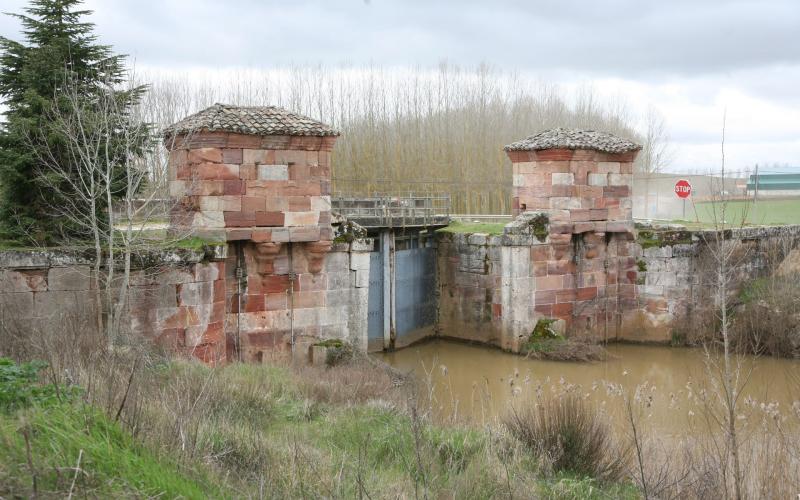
[[691, 59]]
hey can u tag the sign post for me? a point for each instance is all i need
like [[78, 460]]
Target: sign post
[[683, 189]]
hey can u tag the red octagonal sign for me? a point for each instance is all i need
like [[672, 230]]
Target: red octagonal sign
[[683, 188]]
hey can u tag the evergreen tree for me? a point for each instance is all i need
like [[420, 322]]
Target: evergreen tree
[[59, 51]]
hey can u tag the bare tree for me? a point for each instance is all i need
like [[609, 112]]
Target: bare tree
[[656, 151], [109, 193], [727, 376]]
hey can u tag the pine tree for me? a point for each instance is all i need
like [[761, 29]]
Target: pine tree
[[59, 50]]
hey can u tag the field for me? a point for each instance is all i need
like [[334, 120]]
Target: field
[[765, 212]]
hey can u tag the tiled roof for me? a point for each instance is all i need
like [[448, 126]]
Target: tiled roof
[[564, 138], [250, 120]]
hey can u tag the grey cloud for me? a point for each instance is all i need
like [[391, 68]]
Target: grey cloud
[[639, 39]]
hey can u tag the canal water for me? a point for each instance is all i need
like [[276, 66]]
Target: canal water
[[480, 384]]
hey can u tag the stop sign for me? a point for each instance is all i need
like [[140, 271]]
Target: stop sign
[[683, 188]]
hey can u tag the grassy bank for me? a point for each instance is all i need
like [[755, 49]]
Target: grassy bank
[[269, 430]]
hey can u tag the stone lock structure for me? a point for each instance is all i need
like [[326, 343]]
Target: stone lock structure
[[259, 179], [568, 255]]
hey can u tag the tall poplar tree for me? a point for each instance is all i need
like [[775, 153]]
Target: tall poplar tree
[[59, 54]]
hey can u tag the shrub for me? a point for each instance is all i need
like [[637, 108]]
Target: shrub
[[20, 387], [570, 436]]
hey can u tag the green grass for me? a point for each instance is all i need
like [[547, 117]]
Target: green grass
[[260, 430], [491, 228], [112, 463], [765, 212]]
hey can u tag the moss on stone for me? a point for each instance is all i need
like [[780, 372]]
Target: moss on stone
[[641, 265], [539, 226]]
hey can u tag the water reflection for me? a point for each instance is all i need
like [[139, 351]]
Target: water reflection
[[479, 383]]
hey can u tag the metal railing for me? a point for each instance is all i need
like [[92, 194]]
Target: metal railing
[[395, 210]]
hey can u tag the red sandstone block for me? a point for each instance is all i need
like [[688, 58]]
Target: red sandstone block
[[254, 303], [276, 301], [561, 252], [239, 219], [626, 291], [215, 332], [203, 155], [299, 171], [264, 339], [272, 219], [232, 155], [243, 141], [303, 300], [541, 253], [539, 269], [562, 190], [580, 215], [626, 168], [233, 187], [558, 267], [586, 293], [215, 171], [219, 290], [248, 172], [583, 227], [621, 157], [564, 296], [616, 191], [544, 309], [497, 311], [561, 228], [261, 235], [561, 310], [521, 156], [591, 192], [288, 157], [238, 235], [549, 283], [584, 155], [275, 284], [299, 203], [543, 297], [557, 239], [253, 204], [598, 214], [555, 154], [552, 167], [620, 227]]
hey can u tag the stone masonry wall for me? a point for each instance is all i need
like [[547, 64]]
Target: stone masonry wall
[[327, 298], [189, 301], [675, 283], [494, 289], [180, 304]]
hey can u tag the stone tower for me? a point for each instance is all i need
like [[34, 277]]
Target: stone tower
[[575, 187], [259, 179]]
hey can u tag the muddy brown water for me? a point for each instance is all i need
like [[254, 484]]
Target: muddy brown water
[[479, 384]]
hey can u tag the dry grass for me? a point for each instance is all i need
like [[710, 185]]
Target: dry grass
[[568, 435]]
